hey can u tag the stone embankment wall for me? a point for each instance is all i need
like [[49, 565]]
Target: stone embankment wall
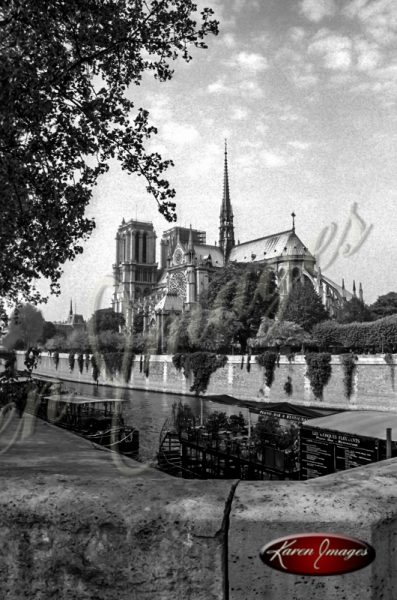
[[79, 523], [373, 383]]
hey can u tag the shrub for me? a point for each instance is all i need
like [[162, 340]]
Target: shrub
[[380, 335], [55, 358], [80, 361], [71, 360], [95, 368], [268, 360], [113, 361], [288, 389], [319, 371], [202, 365], [216, 421], [349, 367]]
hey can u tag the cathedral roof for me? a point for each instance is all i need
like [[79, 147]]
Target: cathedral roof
[[204, 250], [343, 292], [278, 245]]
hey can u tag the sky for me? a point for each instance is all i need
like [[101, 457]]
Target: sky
[[305, 92]]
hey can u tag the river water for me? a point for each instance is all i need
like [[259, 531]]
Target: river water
[[147, 411]]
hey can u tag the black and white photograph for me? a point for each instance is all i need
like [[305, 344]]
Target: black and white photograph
[[198, 299]]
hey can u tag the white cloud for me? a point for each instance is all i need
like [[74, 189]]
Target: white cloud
[[239, 113], [335, 49], [228, 40], [218, 87], [250, 89], [290, 116], [251, 61], [179, 133], [299, 145], [316, 10], [160, 108], [368, 55], [378, 18], [273, 160], [247, 88], [203, 161]]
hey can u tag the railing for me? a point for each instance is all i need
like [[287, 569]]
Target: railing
[[269, 456]]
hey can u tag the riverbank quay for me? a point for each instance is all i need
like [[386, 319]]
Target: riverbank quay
[[373, 380], [76, 523]]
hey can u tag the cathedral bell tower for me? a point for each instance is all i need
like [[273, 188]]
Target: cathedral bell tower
[[226, 228]]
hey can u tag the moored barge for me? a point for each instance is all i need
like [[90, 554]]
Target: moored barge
[[99, 420]]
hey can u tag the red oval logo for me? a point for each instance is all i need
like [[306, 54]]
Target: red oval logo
[[317, 554]]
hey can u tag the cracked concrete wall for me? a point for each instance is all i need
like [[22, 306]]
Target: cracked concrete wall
[[78, 523], [75, 524], [361, 503]]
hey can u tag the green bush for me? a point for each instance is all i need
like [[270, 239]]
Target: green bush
[[268, 360], [349, 367], [80, 361], [71, 360], [202, 365], [95, 368], [319, 371], [380, 335]]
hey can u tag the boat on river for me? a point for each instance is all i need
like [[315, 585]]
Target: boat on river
[[99, 420]]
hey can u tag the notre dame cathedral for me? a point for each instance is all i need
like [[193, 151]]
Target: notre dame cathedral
[[187, 264]]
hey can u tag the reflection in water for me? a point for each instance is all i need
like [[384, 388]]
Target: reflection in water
[[147, 411]]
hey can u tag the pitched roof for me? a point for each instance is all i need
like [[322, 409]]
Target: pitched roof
[[367, 423], [203, 250], [277, 245]]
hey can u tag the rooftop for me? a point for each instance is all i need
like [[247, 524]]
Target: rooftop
[[366, 423]]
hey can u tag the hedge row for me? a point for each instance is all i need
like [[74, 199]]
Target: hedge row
[[381, 334]]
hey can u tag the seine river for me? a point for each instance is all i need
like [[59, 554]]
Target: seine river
[[147, 411]]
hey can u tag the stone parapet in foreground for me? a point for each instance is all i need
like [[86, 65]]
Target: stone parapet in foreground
[[76, 524]]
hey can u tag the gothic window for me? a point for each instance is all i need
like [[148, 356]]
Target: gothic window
[[178, 283]]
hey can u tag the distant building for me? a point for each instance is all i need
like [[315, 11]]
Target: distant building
[[74, 322], [187, 264]]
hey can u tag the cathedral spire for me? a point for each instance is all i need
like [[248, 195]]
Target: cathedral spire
[[226, 228], [71, 309], [190, 252], [354, 289], [190, 246], [361, 293]]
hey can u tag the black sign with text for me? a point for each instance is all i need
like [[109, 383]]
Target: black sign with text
[[324, 452]]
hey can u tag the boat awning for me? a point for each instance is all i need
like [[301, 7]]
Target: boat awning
[[279, 408], [365, 423]]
